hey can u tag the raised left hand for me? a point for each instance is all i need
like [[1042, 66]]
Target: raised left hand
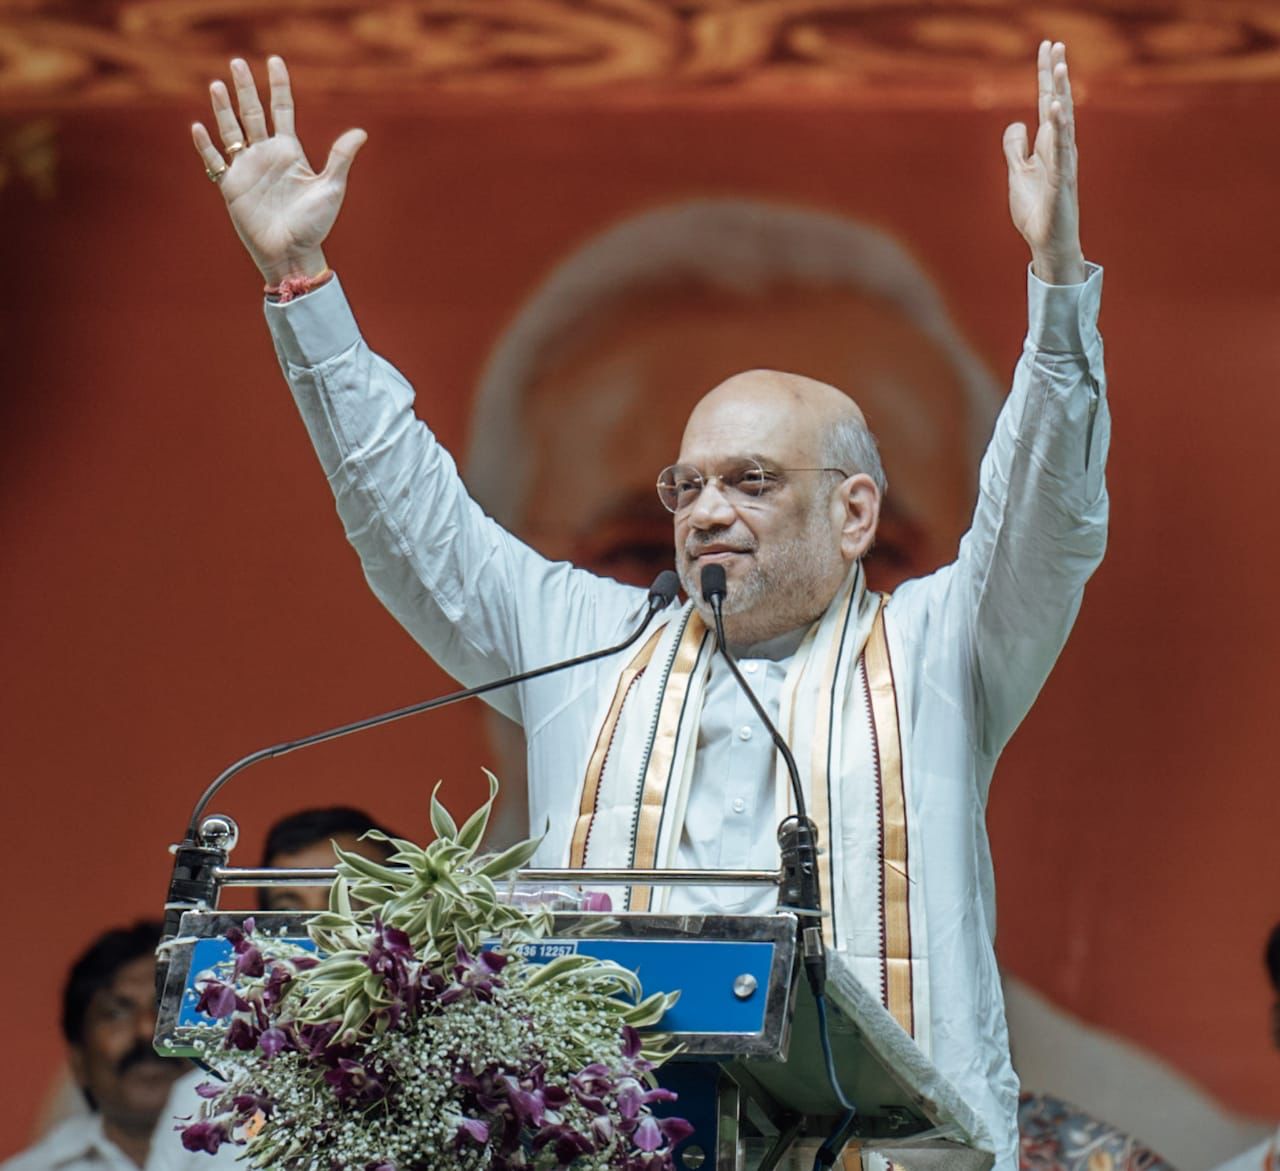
[[1043, 199]]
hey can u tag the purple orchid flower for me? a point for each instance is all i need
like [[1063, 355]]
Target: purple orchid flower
[[354, 1082], [472, 1129], [205, 1136], [391, 949], [275, 1040], [242, 1035], [250, 1104], [569, 1144], [528, 1106], [633, 1097], [316, 1040], [477, 975], [249, 961], [602, 1131], [483, 1090], [219, 999], [279, 977]]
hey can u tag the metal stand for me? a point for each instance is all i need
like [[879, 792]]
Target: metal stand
[[750, 1076]]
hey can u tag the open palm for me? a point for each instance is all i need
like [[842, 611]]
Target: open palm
[[1043, 200], [281, 208]]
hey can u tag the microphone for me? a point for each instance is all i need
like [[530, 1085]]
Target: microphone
[[797, 835], [205, 848]]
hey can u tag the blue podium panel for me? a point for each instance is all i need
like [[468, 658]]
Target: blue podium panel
[[704, 972], [734, 973]]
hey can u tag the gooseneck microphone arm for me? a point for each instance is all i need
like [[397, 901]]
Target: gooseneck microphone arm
[[797, 835], [661, 594], [199, 855]]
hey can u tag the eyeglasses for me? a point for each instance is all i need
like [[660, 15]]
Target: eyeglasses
[[747, 479]]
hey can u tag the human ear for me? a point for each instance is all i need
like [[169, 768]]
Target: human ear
[[860, 514]]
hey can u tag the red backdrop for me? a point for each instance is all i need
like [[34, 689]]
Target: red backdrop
[[176, 589]]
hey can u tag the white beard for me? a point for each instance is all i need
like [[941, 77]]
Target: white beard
[[788, 587]]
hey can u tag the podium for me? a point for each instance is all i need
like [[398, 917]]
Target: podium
[[750, 1076]]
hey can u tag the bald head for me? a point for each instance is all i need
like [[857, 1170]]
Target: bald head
[[801, 403]]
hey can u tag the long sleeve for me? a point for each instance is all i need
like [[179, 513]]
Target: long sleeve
[[1039, 529], [479, 601]]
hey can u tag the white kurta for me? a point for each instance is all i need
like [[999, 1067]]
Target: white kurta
[[971, 644], [78, 1143]]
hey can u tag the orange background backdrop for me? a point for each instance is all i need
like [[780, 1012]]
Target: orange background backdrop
[[176, 591]]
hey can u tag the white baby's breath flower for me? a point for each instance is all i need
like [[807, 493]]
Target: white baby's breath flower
[[406, 1046]]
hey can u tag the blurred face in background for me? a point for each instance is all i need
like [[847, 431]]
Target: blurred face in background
[[115, 1062], [606, 411], [317, 856]]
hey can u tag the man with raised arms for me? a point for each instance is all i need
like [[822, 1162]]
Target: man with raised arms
[[898, 706]]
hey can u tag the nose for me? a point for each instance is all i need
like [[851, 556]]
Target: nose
[[712, 509], [144, 1021]]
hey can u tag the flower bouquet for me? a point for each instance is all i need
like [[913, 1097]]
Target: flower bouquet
[[421, 1037]]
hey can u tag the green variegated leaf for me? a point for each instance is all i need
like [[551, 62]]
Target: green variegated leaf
[[557, 968], [356, 866], [339, 899], [441, 821], [510, 859], [472, 831], [650, 1010], [356, 1014]]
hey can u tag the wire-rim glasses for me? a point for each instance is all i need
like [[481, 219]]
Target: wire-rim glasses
[[747, 479]]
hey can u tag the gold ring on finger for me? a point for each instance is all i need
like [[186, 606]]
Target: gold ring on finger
[[234, 149], [215, 176]]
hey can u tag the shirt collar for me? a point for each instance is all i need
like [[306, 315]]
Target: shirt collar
[[74, 1139]]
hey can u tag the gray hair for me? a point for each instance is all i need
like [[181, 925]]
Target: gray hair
[[736, 247], [852, 448]]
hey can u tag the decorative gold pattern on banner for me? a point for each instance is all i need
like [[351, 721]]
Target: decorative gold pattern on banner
[[895, 881], [919, 53], [29, 154], [595, 767], [657, 779]]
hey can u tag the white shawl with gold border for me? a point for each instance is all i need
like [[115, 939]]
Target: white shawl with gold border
[[839, 713]]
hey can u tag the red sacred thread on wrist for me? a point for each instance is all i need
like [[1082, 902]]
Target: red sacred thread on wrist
[[295, 286]]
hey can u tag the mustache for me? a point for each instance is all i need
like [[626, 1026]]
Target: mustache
[[142, 1053], [698, 540]]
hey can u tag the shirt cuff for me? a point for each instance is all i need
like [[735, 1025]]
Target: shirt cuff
[[1062, 318], [312, 329]]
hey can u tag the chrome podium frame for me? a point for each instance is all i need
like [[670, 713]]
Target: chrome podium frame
[[766, 1092]]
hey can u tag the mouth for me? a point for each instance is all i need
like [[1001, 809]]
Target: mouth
[[153, 1071], [719, 553]]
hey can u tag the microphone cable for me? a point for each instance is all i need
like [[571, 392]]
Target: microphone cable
[[798, 841]]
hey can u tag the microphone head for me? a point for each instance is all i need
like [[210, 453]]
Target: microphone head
[[663, 591], [713, 582]]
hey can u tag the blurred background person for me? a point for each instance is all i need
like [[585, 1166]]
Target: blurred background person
[[109, 1023], [305, 840], [298, 840]]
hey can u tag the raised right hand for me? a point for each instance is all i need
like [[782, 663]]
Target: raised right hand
[[280, 207]]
